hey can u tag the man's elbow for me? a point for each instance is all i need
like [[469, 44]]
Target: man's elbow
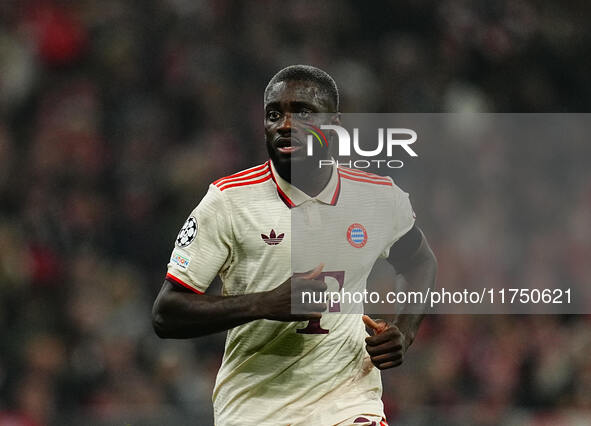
[[423, 259], [159, 322], [426, 257], [434, 265], [432, 259], [158, 325]]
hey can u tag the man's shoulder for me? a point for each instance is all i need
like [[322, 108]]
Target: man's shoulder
[[364, 178], [362, 185], [243, 179]]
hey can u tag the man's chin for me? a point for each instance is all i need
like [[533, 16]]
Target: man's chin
[[297, 162], [289, 158], [300, 160]]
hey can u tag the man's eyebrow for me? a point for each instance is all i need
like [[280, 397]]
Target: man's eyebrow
[[271, 105], [300, 104], [294, 105]]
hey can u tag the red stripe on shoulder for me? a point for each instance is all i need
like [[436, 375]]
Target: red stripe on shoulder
[[226, 182], [350, 169], [248, 182], [363, 174], [171, 277], [242, 173], [360, 179]]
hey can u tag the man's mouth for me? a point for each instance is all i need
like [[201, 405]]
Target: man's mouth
[[288, 145]]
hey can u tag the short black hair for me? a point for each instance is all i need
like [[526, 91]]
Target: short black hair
[[308, 73]]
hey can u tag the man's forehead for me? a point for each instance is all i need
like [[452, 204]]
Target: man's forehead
[[297, 91]]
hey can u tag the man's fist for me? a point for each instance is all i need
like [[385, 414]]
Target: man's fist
[[284, 303], [387, 346]]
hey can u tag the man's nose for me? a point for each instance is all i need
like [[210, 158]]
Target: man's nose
[[285, 125]]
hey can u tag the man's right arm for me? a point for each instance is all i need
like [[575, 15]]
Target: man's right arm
[[180, 313]]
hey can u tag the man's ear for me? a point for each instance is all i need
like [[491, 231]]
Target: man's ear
[[336, 119]]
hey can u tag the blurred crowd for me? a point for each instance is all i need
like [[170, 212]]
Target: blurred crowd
[[116, 115]]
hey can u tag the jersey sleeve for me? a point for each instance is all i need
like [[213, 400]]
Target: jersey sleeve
[[403, 217], [203, 246]]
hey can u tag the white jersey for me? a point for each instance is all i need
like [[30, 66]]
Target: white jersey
[[255, 230]]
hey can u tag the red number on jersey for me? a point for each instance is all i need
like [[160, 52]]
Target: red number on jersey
[[313, 326]]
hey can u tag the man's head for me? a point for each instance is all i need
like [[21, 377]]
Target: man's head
[[294, 97], [310, 74]]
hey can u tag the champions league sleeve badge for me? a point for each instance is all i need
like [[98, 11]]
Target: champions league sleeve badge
[[187, 233]]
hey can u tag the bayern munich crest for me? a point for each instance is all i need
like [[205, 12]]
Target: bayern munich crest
[[187, 233], [357, 235]]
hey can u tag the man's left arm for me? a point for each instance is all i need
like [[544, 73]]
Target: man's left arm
[[411, 257]]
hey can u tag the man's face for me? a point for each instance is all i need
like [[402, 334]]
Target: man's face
[[289, 106]]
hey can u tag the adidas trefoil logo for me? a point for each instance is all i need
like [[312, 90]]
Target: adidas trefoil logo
[[272, 239]]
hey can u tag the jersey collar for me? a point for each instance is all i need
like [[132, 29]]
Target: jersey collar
[[293, 197]]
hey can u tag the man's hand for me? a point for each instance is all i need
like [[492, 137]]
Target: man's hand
[[279, 303], [181, 314], [387, 346]]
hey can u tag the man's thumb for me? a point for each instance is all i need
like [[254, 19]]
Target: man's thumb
[[310, 275], [376, 327]]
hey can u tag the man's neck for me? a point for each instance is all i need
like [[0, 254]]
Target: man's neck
[[310, 180]]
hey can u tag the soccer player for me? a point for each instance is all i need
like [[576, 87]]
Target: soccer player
[[287, 363]]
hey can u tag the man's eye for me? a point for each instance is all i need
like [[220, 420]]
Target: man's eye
[[273, 115], [304, 114]]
